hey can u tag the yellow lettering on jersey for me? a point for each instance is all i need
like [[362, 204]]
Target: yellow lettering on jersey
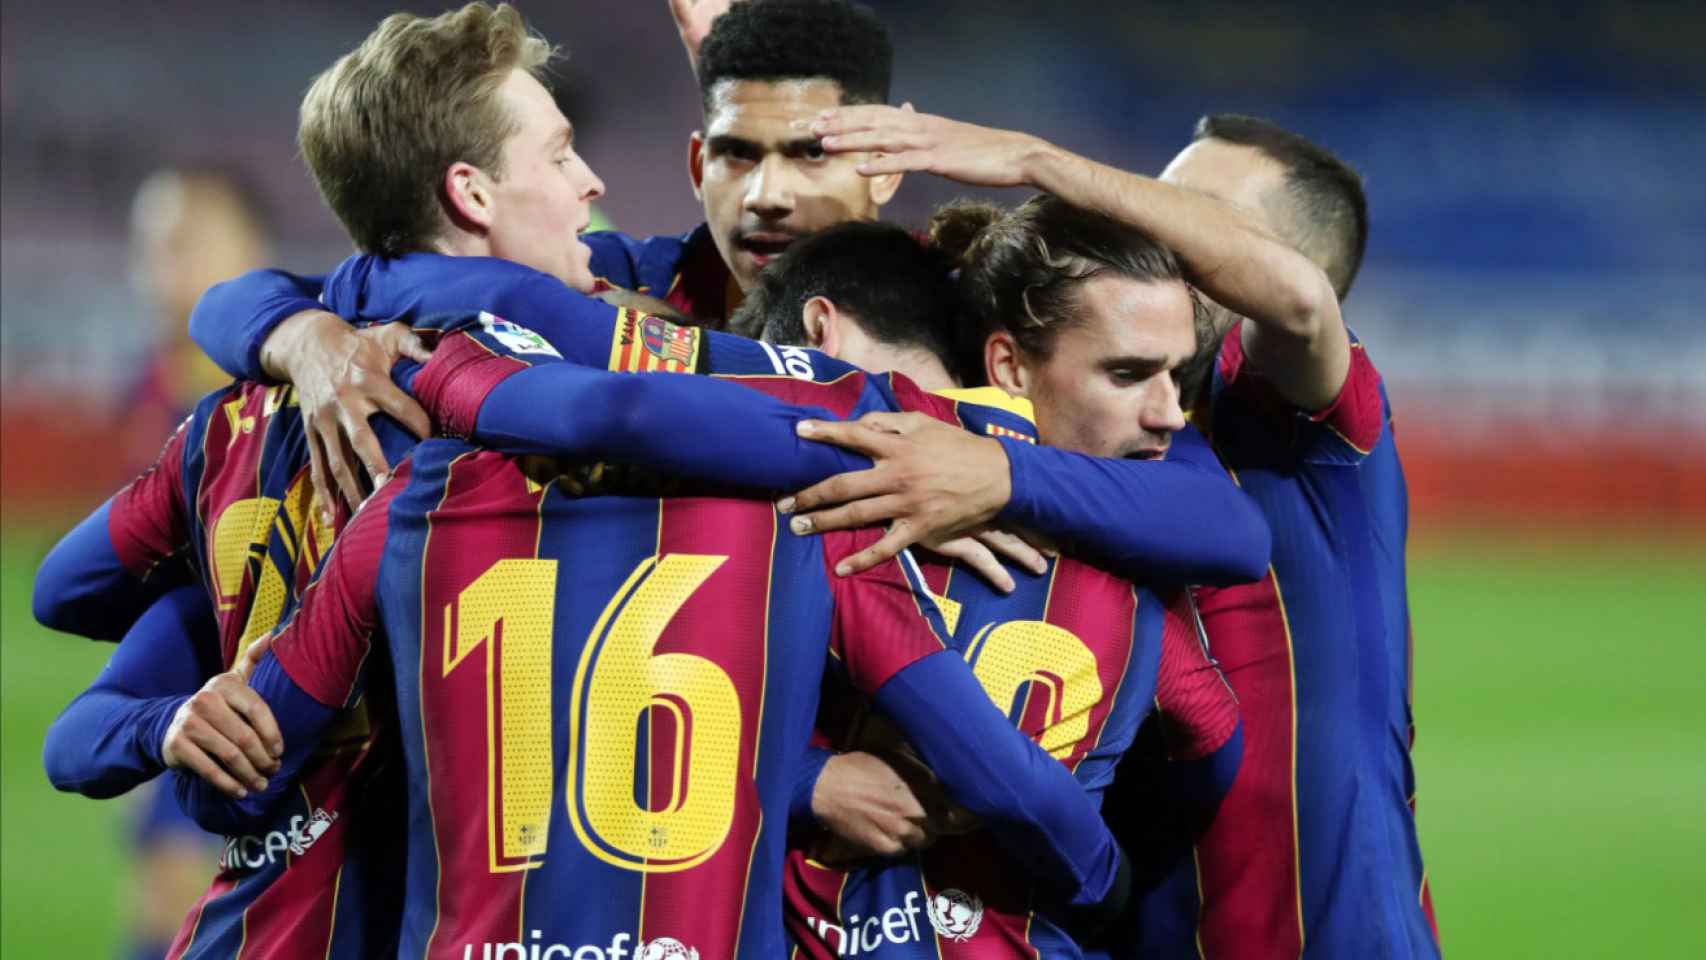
[[239, 424], [950, 611], [508, 612], [239, 532], [1057, 665], [619, 679]]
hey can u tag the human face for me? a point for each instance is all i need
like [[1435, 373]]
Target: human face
[[763, 177], [541, 200], [1107, 388]]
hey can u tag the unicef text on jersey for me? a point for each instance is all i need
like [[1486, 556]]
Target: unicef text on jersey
[[661, 948]]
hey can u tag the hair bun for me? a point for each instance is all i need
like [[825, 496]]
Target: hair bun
[[956, 225]]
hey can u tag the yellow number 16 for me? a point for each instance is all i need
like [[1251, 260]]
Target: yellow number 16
[[618, 680]]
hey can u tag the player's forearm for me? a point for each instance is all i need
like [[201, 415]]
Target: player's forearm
[[1040, 812], [302, 722], [233, 321], [83, 588], [108, 739], [1225, 252], [695, 427], [1166, 521], [106, 742]]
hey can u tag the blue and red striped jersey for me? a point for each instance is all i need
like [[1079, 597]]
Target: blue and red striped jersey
[[1314, 850], [605, 695], [602, 697], [1076, 657], [230, 492]]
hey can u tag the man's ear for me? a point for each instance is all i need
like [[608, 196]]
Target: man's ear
[[468, 192], [822, 323], [883, 188], [1004, 365], [696, 162]]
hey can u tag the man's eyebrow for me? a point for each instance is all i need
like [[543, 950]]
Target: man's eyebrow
[[725, 142], [1134, 360], [564, 137]]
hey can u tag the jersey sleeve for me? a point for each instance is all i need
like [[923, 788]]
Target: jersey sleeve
[[1032, 803], [102, 575], [108, 739], [1179, 520], [1342, 433], [885, 618], [1198, 708], [325, 644], [502, 385], [232, 320]]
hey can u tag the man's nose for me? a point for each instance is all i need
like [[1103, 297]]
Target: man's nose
[[1161, 412], [770, 194]]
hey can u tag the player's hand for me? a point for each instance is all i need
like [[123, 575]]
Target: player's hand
[[693, 18], [978, 553], [226, 735], [867, 805], [342, 377], [905, 141], [932, 481]]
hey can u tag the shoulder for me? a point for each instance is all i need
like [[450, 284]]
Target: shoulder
[[993, 412], [638, 264]]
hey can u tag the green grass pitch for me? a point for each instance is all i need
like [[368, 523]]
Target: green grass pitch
[[1561, 700]]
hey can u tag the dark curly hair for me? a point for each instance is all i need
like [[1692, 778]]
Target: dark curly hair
[[799, 40]]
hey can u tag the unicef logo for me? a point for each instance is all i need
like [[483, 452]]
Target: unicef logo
[[666, 948], [956, 914]]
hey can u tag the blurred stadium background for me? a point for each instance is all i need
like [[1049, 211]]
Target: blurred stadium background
[[1532, 291]]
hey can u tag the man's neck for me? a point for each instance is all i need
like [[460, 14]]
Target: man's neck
[[919, 366]]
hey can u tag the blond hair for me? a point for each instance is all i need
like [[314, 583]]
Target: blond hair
[[382, 124]]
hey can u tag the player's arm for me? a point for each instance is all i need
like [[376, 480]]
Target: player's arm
[[99, 578], [1201, 727], [1179, 520], [1297, 338], [1169, 785], [269, 326], [312, 669], [109, 738], [495, 386], [889, 638]]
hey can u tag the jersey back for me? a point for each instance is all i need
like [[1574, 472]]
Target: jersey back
[[604, 700], [231, 492]]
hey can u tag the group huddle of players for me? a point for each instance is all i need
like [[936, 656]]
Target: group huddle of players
[[1029, 585]]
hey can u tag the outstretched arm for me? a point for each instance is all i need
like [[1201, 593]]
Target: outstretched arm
[[1297, 337], [1179, 520]]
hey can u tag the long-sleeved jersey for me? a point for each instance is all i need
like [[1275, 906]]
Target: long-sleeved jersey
[[605, 699], [1076, 657], [1313, 852]]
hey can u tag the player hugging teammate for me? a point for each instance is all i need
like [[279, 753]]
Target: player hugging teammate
[[1034, 588]]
